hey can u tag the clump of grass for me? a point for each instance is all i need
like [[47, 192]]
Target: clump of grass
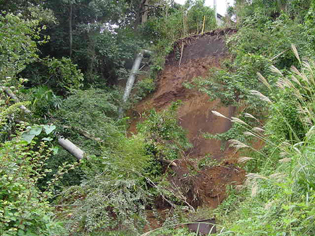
[[279, 197]]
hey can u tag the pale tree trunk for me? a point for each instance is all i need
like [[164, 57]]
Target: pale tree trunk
[[215, 11], [145, 12], [132, 77], [71, 148], [15, 99]]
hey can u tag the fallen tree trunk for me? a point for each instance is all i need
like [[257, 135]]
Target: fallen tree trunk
[[65, 143], [71, 148]]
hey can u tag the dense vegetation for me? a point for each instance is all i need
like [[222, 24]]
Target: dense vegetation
[[272, 75], [61, 62], [60, 67]]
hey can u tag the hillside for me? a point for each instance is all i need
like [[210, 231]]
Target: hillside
[[200, 53], [127, 118]]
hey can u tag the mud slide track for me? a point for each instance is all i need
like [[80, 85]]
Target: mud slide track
[[200, 53]]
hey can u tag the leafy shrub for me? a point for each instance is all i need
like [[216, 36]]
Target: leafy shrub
[[24, 209], [43, 100], [165, 138], [143, 88], [196, 14], [91, 113], [113, 195], [64, 74], [17, 45]]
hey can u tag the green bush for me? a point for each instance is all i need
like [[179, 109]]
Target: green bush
[[113, 193], [24, 209], [165, 139], [143, 88]]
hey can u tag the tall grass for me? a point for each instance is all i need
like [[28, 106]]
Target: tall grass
[[280, 195]]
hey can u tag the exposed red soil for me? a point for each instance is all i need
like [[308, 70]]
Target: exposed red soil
[[200, 53], [205, 187]]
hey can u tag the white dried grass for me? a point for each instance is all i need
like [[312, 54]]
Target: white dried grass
[[264, 80], [260, 95], [216, 113], [257, 129], [296, 53], [276, 70], [247, 133], [253, 176], [237, 144], [285, 160], [277, 176], [244, 159], [237, 120], [250, 116], [254, 190]]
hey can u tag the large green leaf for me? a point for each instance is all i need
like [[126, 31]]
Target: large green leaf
[[31, 133], [49, 128], [36, 130], [28, 137]]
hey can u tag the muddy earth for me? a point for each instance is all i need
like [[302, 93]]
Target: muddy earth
[[193, 57]]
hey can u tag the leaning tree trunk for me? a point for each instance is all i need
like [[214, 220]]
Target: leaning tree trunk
[[132, 77]]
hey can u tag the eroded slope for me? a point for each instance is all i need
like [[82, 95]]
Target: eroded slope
[[193, 57]]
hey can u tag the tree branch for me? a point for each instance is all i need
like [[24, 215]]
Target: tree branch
[[9, 92], [84, 133]]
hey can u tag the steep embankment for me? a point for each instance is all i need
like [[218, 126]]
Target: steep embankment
[[193, 57]]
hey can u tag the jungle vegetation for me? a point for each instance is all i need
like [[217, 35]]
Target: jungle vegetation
[[61, 65]]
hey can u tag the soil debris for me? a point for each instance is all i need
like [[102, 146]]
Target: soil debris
[[197, 54]]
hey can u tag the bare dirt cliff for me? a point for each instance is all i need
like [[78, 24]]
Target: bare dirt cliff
[[193, 57]]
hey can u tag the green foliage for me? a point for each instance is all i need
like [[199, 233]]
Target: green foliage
[[286, 124], [164, 137], [279, 195], [196, 15], [113, 193], [17, 45], [104, 55], [88, 118], [43, 100], [24, 209], [207, 161], [103, 36], [174, 24], [296, 9], [19, 39], [143, 88], [64, 74], [279, 203], [92, 111]]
